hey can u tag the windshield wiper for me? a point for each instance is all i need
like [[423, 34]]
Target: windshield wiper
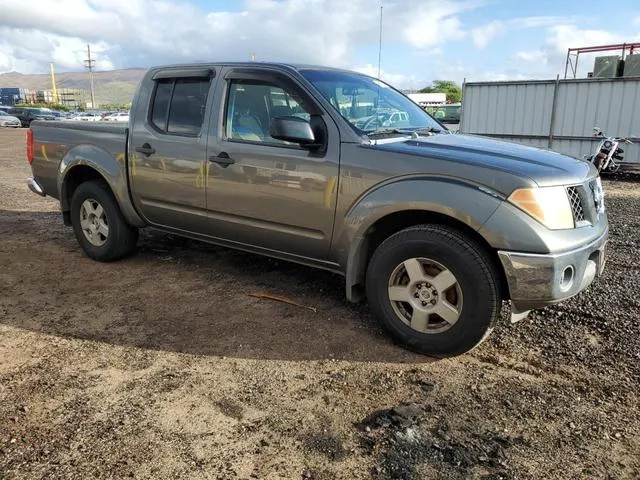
[[387, 131], [427, 130]]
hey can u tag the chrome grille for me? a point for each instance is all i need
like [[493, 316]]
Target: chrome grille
[[576, 204]]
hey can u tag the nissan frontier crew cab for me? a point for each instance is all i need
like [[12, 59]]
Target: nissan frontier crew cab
[[436, 230]]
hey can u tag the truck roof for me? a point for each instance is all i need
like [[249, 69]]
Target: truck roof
[[289, 66]]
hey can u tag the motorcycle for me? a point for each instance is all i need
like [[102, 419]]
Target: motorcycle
[[608, 153]]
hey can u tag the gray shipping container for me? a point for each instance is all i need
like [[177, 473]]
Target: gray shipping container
[[606, 67], [555, 114], [632, 66]]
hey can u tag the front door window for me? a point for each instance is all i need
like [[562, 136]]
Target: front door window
[[251, 108]]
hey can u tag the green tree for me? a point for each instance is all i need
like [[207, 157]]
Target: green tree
[[52, 106], [451, 88]]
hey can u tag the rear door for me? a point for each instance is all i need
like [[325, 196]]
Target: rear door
[[168, 148], [262, 191]]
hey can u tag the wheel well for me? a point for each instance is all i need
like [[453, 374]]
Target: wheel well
[[74, 178], [393, 223]]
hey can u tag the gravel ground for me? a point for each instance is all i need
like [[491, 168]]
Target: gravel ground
[[162, 366]]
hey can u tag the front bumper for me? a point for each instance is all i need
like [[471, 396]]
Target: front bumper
[[538, 280]]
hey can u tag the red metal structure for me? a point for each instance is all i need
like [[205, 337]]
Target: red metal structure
[[574, 53]]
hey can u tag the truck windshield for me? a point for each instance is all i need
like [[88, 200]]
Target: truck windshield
[[370, 105]]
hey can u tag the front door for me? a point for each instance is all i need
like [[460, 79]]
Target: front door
[[168, 151], [266, 192]]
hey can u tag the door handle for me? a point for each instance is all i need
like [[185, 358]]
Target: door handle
[[146, 149], [223, 159]]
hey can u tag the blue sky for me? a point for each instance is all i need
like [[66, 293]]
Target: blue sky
[[423, 40]]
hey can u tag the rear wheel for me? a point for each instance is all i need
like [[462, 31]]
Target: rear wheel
[[433, 290], [98, 224]]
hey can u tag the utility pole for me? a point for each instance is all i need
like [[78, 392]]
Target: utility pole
[[89, 64]]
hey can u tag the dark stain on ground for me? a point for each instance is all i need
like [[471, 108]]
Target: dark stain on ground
[[231, 408], [401, 439], [328, 445]]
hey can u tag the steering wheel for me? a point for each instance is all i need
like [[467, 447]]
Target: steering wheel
[[372, 124]]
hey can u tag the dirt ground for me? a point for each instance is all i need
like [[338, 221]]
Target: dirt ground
[[161, 366]]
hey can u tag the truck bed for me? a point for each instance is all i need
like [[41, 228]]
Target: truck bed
[[53, 140]]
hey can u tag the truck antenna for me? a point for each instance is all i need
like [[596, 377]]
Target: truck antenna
[[380, 43]]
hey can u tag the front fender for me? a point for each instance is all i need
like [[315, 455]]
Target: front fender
[[465, 202], [112, 169]]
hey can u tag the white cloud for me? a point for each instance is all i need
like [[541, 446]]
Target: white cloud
[[566, 36], [431, 27], [483, 35], [540, 21], [549, 58], [534, 56], [128, 33], [491, 76], [139, 33], [397, 80]]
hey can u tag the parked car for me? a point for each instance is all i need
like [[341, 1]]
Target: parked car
[[89, 117], [116, 117], [435, 229], [59, 115], [449, 114], [7, 120], [384, 119], [26, 115]]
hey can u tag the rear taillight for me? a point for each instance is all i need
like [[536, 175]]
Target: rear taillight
[[30, 146]]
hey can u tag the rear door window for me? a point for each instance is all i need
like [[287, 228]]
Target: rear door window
[[186, 110], [179, 104], [161, 101]]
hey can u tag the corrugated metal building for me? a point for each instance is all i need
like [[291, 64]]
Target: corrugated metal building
[[555, 114]]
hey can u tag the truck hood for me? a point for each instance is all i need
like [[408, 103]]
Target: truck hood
[[544, 167]]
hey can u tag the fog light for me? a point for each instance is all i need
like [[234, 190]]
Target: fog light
[[567, 278]]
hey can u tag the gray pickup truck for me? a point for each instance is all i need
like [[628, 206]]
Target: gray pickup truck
[[436, 229]]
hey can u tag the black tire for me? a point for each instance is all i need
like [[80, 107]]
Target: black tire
[[121, 239], [475, 274]]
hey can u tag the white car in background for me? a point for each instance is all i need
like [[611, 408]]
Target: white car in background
[[7, 120], [87, 117], [117, 117]]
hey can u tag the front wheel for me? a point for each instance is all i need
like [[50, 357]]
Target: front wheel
[[612, 168], [98, 224], [434, 290]]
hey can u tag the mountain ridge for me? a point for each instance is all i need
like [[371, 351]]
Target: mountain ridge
[[111, 86]]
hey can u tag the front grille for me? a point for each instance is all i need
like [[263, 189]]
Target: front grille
[[575, 200]]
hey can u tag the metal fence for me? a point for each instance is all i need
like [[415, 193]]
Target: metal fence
[[555, 114]]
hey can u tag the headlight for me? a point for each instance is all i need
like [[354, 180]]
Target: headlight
[[549, 205]]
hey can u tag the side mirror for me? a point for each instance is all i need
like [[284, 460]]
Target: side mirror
[[293, 129]]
